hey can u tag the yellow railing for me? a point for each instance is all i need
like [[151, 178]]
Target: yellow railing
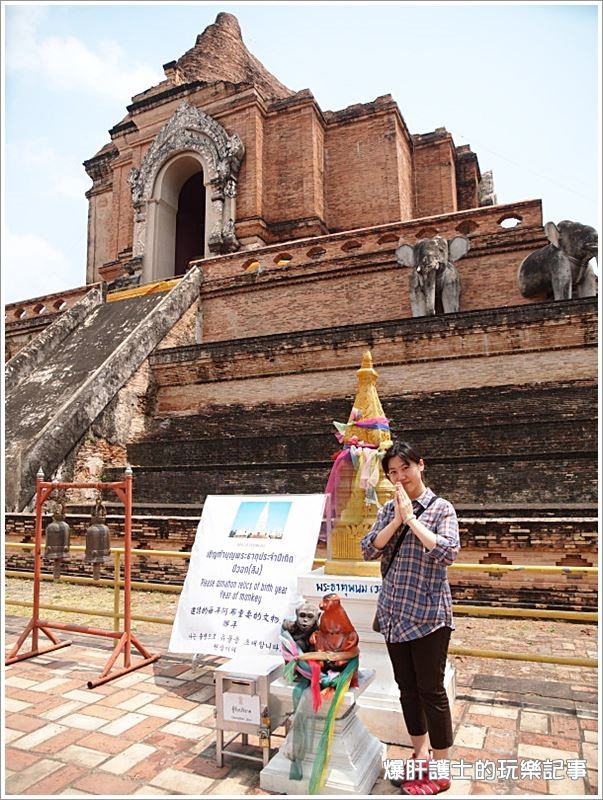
[[117, 583], [146, 288], [550, 568]]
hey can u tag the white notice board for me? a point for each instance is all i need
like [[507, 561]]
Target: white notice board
[[242, 577]]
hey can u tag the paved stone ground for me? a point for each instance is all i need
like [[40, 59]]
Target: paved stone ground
[[152, 732]]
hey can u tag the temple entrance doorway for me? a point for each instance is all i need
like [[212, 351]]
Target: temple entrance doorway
[[190, 223], [179, 217]]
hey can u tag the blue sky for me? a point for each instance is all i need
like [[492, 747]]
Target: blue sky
[[249, 512], [517, 82]]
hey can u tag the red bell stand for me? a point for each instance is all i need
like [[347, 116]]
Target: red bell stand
[[125, 638]]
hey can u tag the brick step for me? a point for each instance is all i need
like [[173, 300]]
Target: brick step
[[505, 539], [522, 513], [269, 448], [421, 412], [560, 478]]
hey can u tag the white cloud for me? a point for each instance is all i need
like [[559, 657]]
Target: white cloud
[[63, 174], [67, 63], [33, 267], [56, 173], [20, 29]]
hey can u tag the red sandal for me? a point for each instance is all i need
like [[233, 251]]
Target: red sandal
[[397, 782], [425, 786]]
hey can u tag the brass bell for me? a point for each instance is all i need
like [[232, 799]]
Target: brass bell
[[56, 546], [98, 543]]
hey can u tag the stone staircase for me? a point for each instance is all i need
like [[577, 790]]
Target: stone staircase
[[65, 377]]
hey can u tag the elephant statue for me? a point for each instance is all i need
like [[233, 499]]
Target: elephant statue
[[561, 270], [434, 280]]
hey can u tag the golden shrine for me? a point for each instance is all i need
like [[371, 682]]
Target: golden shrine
[[361, 486]]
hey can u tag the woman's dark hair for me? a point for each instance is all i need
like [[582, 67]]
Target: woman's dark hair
[[404, 450]]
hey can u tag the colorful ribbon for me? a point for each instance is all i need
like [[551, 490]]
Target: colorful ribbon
[[355, 421], [304, 675], [323, 753], [366, 462]]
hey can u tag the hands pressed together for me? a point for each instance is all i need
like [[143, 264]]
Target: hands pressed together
[[403, 506], [404, 515]]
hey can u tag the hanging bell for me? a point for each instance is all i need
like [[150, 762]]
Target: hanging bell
[[56, 546], [98, 543]]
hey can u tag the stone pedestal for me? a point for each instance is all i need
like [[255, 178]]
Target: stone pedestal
[[356, 760], [379, 706]]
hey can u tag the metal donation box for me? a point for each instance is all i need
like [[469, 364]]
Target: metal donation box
[[244, 703]]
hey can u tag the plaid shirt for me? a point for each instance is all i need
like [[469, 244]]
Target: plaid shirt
[[415, 595]]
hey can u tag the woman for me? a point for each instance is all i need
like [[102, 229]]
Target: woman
[[414, 609]]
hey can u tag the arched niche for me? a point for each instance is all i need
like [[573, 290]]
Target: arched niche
[[190, 141]]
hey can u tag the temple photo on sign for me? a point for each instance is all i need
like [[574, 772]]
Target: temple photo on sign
[[301, 399], [261, 520]]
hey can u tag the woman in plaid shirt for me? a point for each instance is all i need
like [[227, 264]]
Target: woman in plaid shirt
[[414, 608]]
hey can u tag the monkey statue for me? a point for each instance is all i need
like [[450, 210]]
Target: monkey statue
[[335, 631], [303, 626]]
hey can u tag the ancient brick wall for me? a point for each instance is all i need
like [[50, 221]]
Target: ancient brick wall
[[293, 194], [24, 319], [488, 479], [529, 344], [19, 334], [305, 172], [368, 177], [562, 542], [248, 122], [527, 541], [99, 240], [185, 332], [502, 403], [467, 178], [132, 140], [504, 447], [435, 175], [351, 278]]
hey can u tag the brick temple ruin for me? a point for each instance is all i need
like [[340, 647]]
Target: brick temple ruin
[[241, 258]]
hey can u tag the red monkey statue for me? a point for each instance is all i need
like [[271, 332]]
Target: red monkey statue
[[335, 631]]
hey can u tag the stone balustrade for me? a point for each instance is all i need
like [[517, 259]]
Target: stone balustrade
[[511, 219], [46, 306]]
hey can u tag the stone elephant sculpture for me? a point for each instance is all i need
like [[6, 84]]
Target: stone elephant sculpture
[[561, 270], [434, 280]]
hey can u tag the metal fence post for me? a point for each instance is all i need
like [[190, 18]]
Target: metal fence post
[[116, 587]]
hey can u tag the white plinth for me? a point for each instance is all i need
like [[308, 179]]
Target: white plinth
[[356, 760], [379, 706]]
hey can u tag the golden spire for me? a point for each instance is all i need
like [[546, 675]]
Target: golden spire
[[367, 406], [360, 485]]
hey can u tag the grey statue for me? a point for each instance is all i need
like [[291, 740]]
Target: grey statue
[[561, 270], [434, 280], [485, 191], [303, 626]]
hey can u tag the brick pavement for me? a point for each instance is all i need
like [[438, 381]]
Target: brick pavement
[[152, 732]]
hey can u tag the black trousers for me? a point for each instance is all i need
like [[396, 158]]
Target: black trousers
[[419, 667]]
